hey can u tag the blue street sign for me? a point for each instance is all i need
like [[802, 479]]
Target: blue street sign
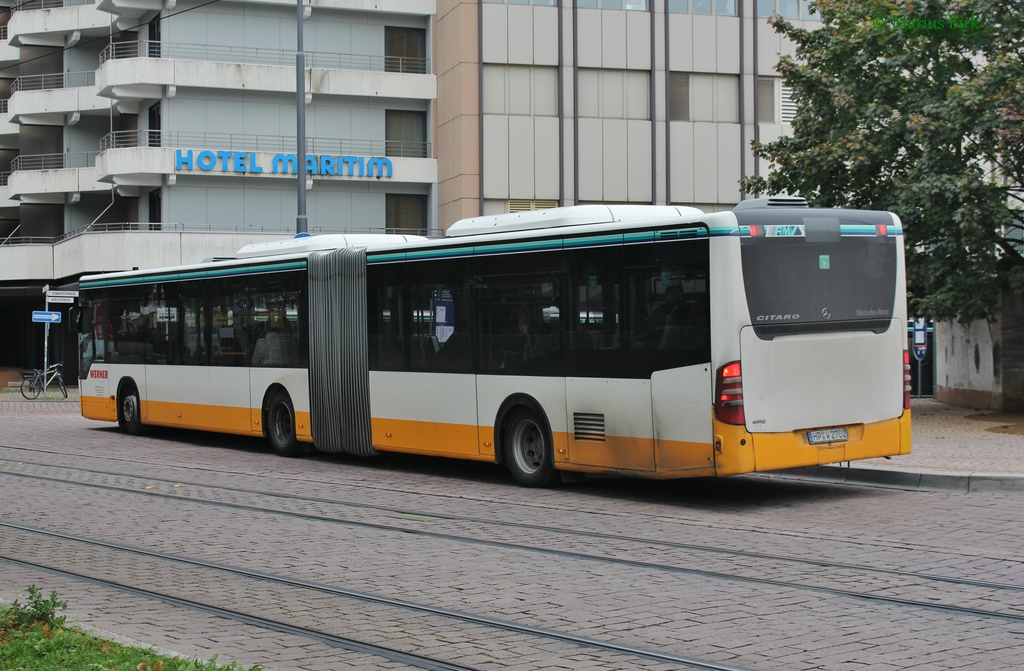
[[48, 317]]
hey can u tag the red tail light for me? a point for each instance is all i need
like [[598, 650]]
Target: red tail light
[[729, 394], [906, 379]]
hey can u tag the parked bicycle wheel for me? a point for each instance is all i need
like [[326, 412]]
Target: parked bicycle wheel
[[31, 387], [60, 383]]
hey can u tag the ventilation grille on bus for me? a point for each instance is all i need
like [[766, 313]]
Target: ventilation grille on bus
[[588, 426]]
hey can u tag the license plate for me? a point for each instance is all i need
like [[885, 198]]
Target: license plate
[[819, 436]]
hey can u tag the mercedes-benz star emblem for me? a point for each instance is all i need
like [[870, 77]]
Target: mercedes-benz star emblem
[[825, 313]]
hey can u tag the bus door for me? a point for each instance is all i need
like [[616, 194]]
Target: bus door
[[682, 419], [608, 402], [669, 329]]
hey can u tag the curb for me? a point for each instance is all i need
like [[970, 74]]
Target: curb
[[96, 632], [916, 480]]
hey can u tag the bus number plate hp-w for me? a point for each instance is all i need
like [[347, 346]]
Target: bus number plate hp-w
[[827, 436]]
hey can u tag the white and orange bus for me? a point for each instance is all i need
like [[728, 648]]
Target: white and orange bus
[[646, 341]]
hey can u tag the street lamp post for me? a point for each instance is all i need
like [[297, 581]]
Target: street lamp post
[[301, 221]]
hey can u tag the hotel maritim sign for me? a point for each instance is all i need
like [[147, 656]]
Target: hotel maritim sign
[[244, 162]]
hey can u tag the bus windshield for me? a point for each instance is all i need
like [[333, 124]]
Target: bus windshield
[[818, 270]]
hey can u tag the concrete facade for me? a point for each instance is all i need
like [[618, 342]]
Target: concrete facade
[[648, 101], [131, 123]]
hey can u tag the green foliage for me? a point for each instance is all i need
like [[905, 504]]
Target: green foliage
[[37, 610], [925, 122], [33, 638]]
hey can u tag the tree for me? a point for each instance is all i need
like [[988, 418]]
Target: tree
[[915, 106]]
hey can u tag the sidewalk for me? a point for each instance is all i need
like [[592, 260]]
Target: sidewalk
[[957, 449]]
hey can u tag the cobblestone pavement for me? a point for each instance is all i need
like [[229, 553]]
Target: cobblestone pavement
[[168, 493]]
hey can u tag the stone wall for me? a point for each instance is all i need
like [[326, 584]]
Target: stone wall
[[981, 364]]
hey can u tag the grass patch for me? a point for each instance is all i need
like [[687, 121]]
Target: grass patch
[[33, 637]]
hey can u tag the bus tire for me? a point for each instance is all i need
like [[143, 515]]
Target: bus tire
[[129, 410], [281, 425], [527, 447]]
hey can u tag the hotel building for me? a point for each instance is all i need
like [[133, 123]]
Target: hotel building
[[146, 133]]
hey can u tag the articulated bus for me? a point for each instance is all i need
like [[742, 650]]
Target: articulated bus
[[644, 341]]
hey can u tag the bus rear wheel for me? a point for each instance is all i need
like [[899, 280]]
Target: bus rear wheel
[[281, 426], [528, 449], [129, 410]]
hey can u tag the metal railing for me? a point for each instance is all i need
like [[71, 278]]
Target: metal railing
[[3, 32], [59, 80], [48, 4], [258, 56], [125, 227], [130, 139], [3, 106], [4, 176], [83, 159]]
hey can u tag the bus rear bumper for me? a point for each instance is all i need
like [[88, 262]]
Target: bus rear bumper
[[738, 451]]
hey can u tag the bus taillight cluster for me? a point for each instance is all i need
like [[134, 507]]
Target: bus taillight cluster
[[729, 394], [906, 379]]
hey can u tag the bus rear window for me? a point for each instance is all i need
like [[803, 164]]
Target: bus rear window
[[811, 271]]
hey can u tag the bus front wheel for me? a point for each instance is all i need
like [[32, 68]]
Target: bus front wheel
[[281, 426], [527, 449], [129, 410]]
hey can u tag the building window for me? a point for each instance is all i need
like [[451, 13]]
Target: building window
[[406, 213], [679, 96], [535, 3], [631, 5], [766, 100], [514, 90], [788, 106], [614, 94], [406, 134], [787, 9], [706, 7], [703, 97], [405, 50]]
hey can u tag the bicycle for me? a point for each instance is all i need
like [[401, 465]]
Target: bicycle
[[34, 383]]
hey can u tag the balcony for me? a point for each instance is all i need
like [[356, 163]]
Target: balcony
[[111, 246], [136, 71], [54, 99], [55, 23], [8, 207], [53, 178], [8, 54], [143, 158], [8, 130], [213, 53], [134, 9]]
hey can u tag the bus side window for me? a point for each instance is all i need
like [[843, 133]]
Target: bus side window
[[439, 312], [386, 315], [668, 303]]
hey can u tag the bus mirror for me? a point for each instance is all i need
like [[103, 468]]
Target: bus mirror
[[75, 317]]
